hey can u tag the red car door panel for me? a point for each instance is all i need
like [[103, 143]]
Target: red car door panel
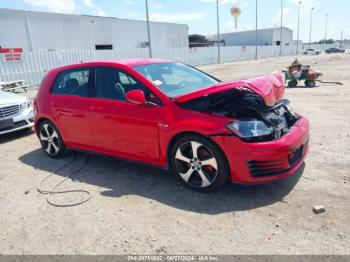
[[125, 129], [73, 118], [70, 104]]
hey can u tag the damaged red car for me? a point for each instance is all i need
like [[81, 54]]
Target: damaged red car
[[174, 116]]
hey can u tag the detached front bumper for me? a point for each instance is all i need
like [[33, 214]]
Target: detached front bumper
[[266, 161], [22, 120]]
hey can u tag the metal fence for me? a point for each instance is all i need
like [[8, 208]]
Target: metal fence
[[33, 65]]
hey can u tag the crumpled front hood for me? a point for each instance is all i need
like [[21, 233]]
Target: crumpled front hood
[[7, 98], [270, 87]]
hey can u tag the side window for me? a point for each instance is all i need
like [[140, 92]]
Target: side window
[[126, 79], [108, 84], [73, 82], [112, 83]]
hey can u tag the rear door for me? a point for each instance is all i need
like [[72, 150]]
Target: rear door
[[120, 127], [70, 103]]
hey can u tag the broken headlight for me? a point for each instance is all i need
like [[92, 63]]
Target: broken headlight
[[250, 129]]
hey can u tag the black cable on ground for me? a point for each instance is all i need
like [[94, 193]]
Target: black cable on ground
[[53, 192], [326, 82]]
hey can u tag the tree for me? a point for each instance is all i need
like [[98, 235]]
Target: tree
[[327, 41]]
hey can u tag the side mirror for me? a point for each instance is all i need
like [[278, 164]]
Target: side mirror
[[136, 97]]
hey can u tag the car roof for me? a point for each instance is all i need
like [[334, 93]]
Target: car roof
[[129, 62], [142, 61]]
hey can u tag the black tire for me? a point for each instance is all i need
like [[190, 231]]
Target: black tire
[[310, 83], [51, 140], [292, 83], [200, 176]]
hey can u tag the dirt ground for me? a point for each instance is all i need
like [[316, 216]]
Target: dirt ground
[[137, 209]]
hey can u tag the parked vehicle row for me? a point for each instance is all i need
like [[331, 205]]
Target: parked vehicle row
[[332, 50]]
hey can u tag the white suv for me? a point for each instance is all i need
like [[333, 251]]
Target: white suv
[[16, 112]]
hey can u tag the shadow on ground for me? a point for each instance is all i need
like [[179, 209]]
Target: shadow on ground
[[121, 178], [16, 135]]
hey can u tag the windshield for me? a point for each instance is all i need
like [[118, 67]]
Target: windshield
[[175, 79]]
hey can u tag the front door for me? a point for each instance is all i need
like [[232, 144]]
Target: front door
[[120, 127]]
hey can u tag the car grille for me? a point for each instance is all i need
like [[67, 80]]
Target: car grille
[[277, 167], [7, 111], [297, 153], [266, 168]]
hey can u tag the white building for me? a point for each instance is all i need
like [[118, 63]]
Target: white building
[[35, 31], [266, 37]]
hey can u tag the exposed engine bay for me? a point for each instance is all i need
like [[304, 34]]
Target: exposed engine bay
[[245, 105]]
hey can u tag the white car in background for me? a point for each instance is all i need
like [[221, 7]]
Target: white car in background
[[16, 112], [311, 51]]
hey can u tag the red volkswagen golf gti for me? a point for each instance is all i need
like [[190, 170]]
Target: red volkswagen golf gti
[[174, 116]]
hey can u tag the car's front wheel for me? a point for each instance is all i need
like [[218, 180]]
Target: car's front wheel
[[51, 140], [199, 163]]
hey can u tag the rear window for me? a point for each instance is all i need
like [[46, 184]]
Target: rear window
[[73, 82]]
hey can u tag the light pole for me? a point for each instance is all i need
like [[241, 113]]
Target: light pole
[[148, 31], [281, 40], [298, 27], [218, 30], [256, 29], [312, 9], [325, 31], [341, 39]]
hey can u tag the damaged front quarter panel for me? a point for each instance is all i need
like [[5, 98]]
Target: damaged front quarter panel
[[242, 104]]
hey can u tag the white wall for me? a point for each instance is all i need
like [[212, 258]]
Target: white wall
[[34, 64], [267, 36], [35, 31], [287, 36]]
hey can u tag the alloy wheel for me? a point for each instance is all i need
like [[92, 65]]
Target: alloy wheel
[[196, 164], [49, 139]]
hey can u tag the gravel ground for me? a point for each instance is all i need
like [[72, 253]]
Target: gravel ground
[[137, 209]]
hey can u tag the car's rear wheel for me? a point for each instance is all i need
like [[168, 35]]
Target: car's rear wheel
[[51, 140], [199, 163]]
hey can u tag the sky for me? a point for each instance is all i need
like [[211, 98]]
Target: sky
[[200, 15]]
